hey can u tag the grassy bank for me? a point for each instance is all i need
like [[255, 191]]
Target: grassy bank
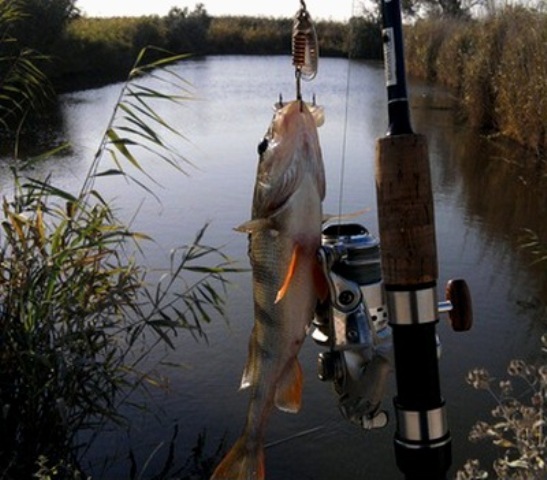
[[497, 66], [100, 50]]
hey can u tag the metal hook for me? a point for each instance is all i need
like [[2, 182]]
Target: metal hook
[[298, 76]]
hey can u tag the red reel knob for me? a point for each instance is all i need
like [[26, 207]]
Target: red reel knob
[[461, 315]]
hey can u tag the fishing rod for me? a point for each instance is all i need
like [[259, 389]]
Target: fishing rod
[[371, 286], [410, 272]]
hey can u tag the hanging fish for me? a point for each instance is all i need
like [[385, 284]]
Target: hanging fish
[[284, 235]]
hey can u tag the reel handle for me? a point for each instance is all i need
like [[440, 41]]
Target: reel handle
[[461, 313]]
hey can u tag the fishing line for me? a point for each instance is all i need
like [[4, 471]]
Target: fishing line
[[345, 128], [329, 426], [303, 433]]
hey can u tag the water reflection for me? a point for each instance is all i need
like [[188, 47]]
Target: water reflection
[[499, 186]]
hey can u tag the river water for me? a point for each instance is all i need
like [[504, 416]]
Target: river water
[[486, 192]]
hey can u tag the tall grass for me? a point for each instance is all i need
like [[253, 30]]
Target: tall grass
[[496, 65], [24, 86], [78, 315]]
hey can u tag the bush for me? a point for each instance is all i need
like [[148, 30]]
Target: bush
[[519, 426], [75, 306], [365, 38]]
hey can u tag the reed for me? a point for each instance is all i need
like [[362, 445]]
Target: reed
[[496, 65], [24, 86], [78, 313]]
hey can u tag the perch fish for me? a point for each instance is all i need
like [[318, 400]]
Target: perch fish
[[284, 235]]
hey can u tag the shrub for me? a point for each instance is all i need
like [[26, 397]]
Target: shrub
[[76, 307], [519, 425]]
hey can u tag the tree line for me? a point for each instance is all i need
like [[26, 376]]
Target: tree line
[[50, 39], [85, 51]]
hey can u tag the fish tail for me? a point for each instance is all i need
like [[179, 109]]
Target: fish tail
[[242, 462]]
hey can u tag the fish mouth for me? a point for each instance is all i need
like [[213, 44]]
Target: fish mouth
[[296, 107]]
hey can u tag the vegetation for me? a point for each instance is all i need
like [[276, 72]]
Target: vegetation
[[77, 314], [24, 85], [497, 67], [42, 22], [75, 304], [99, 48], [519, 428], [496, 64]]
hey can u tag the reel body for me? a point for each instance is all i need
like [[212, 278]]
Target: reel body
[[353, 322]]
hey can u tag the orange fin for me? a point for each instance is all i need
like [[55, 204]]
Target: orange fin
[[290, 274], [288, 393], [241, 463]]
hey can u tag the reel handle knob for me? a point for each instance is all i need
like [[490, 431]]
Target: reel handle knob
[[461, 313]]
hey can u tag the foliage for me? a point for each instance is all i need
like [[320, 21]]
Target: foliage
[[187, 30], [102, 50], [250, 35], [24, 87], [447, 9], [519, 428], [365, 38], [520, 82], [78, 314], [86, 52], [335, 38], [497, 66], [43, 23], [98, 49]]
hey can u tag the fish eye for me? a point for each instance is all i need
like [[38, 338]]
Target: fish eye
[[262, 146]]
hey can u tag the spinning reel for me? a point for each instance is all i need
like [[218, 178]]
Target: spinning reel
[[353, 322]]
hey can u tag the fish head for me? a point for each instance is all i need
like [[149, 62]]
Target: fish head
[[289, 151]]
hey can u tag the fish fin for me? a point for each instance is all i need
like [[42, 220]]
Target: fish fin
[[290, 274], [288, 393], [249, 372], [318, 114], [246, 378], [254, 225], [327, 217], [241, 463]]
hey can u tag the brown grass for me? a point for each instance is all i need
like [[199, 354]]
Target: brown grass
[[497, 67]]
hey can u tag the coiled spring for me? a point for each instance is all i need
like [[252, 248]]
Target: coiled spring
[[305, 47]]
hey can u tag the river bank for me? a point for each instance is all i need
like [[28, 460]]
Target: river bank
[[496, 66]]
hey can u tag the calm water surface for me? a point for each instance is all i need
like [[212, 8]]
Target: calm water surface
[[483, 201]]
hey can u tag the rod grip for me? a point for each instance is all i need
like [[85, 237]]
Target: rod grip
[[405, 211]]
